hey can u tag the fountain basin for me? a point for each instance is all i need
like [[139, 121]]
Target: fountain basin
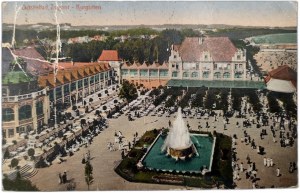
[[155, 159]]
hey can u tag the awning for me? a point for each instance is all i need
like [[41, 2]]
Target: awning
[[278, 85]]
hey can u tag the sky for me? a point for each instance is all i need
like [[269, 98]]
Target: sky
[[250, 13]]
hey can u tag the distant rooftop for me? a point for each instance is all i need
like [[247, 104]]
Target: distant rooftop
[[220, 48], [109, 55]]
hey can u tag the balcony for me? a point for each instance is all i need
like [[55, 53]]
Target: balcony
[[25, 96]]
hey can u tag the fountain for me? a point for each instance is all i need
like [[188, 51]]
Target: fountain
[[178, 143], [182, 150]]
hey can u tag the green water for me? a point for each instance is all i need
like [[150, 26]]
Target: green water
[[284, 38], [157, 160]]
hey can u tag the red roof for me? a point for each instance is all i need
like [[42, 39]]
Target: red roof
[[283, 73], [109, 55], [220, 48]]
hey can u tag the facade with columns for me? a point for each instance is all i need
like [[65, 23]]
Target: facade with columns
[[23, 112], [75, 81], [148, 75]]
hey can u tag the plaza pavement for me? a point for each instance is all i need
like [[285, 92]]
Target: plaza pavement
[[104, 161]]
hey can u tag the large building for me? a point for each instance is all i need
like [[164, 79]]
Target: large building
[[29, 89], [76, 80], [24, 103], [197, 58]]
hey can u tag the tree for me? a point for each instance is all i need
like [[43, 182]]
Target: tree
[[14, 162], [128, 91], [88, 172], [31, 152], [18, 184]]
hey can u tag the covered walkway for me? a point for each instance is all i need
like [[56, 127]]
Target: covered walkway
[[216, 84]]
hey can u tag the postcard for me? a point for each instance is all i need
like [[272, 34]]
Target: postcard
[[149, 95]]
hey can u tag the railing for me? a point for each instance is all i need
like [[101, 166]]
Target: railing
[[23, 97], [25, 121]]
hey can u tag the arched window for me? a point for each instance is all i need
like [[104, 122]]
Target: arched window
[[217, 75], [226, 75], [25, 112], [185, 74], [205, 74], [238, 75], [194, 74], [8, 114], [39, 108]]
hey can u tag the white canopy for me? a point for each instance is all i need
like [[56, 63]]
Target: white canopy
[[278, 85]]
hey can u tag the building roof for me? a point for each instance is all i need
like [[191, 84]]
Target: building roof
[[220, 48], [109, 55], [37, 65], [71, 71], [284, 73], [282, 79]]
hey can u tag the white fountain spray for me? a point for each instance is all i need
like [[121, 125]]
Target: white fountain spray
[[178, 136]]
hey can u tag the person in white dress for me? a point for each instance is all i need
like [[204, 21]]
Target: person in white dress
[[271, 162], [277, 172], [241, 167], [265, 161]]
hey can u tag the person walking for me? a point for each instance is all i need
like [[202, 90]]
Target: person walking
[[278, 172], [265, 161], [241, 167]]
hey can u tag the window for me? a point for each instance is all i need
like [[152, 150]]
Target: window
[[185, 74], [163, 73], [73, 86], [97, 78], [153, 73], [101, 76], [58, 92], [133, 72], [174, 74], [226, 75], [143, 73], [194, 74], [66, 89], [205, 74], [25, 112], [238, 57], [217, 75], [92, 80], [206, 57], [7, 114], [79, 83], [124, 72], [175, 56], [86, 82], [238, 75], [39, 108], [215, 66]]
